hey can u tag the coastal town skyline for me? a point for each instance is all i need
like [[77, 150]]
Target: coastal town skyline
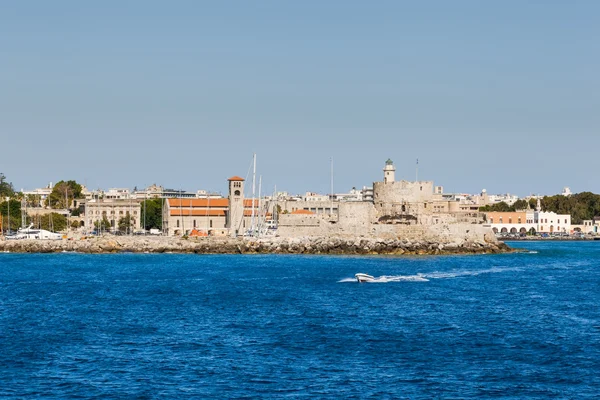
[[200, 190]]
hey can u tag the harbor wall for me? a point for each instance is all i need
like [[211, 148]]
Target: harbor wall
[[270, 245]]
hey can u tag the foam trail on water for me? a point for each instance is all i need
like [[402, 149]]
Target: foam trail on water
[[401, 278], [391, 278], [425, 277], [456, 274]]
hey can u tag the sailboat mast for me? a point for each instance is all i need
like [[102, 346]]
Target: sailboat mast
[[253, 191], [259, 204]]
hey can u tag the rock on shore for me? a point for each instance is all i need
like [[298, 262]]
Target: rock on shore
[[271, 245]]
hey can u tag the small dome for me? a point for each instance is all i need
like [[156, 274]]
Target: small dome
[[389, 162]]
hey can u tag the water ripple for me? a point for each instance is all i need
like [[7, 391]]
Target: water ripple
[[520, 325]]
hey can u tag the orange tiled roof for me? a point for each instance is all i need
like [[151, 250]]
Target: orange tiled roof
[[198, 203], [236, 178], [306, 212], [207, 212], [207, 203]]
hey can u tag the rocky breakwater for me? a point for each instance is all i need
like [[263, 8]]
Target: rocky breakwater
[[271, 245]]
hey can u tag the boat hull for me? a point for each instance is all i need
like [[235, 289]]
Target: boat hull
[[361, 278]]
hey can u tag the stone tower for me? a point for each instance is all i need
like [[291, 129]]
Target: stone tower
[[389, 171], [235, 215]]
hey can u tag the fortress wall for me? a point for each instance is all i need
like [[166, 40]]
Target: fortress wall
[[318, 207], [403, 197], [356, 214], [292, 220], [402, 191]]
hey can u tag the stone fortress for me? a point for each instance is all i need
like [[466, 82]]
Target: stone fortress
[[399, 209]]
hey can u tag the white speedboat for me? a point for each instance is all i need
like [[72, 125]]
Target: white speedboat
[[364, 278]]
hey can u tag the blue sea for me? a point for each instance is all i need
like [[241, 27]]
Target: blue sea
[[160, 326]]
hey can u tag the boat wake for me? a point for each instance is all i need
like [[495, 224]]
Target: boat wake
[[426, 277]]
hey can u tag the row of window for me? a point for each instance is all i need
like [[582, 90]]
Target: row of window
[[529, 221], [113, 212], [210, 223]]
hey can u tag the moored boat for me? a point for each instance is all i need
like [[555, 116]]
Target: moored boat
[[31, 233]]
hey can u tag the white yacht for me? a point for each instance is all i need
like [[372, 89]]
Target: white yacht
[[31, 233], [364, 278]]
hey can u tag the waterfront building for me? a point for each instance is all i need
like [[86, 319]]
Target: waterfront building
[[98, 210], [530, 221], [214, 216]]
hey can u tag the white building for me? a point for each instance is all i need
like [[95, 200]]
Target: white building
[[117, 194], [40, 194], [530, 221]]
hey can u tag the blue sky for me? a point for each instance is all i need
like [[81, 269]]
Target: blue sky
[[498, 95]]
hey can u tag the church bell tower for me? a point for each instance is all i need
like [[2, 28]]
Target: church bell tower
[[235, 215]]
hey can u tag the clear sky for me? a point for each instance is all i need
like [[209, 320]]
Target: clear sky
[[500, 95]]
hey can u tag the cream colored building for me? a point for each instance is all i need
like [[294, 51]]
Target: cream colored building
[[113, 210], [589, 226]]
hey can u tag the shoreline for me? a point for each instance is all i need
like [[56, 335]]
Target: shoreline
[[272, 245], [550, 239]]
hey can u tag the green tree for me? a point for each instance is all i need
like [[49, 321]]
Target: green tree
[[63, 194], [581, 206], [103, 224], [500, 207], [6, 188], [153, 214], [15, 214], [520, 204], [532, 204], [125, 223], [53, 222], [33, 200]]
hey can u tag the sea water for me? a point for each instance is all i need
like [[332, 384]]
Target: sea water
[[523, 325]]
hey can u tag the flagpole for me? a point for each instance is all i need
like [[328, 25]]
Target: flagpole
[[331, 205], [417, 172]]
